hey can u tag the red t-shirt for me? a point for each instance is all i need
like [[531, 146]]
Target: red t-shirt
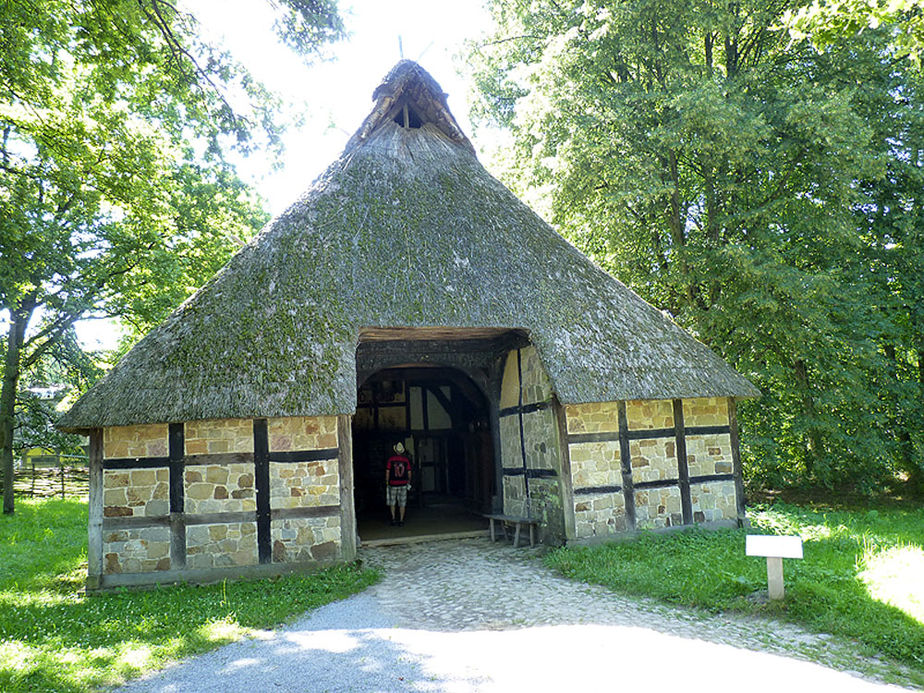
[[399, 468]]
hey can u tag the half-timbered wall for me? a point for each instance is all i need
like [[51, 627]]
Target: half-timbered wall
[[530, 448], [652, 464], [227, 494]]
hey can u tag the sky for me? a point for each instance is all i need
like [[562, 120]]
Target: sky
[[334, 96]]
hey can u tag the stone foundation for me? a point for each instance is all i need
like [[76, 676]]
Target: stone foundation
[[221, 545], [137, 550], [306, 539], [599, 515], [651, 487], [186, 497], [713, 501], [658, 507]]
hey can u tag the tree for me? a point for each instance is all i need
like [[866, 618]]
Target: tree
[[716, 167], [827, 24], [104, 207]]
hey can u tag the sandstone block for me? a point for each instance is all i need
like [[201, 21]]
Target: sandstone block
[[216, 475], [115, 496], [143, 477], [115, 479], [155, 508], [199, 491]]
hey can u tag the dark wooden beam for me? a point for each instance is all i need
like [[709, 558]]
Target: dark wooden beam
[[220, 458], [308, 512], [530, 473], [593, 490], [262, 483], [683, 469], [136, 462], [176, 449], [625, 458], [303, 455], [707, 478], [646, 434], [522, 434], [525, 408]]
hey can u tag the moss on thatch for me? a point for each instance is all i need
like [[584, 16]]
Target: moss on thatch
[[405, 229]]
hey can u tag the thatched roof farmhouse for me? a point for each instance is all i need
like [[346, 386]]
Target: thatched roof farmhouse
[[407, 295]]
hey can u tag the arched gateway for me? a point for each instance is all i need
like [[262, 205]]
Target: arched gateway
[[229, 440]]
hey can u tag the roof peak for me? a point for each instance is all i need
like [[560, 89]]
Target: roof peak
[[410, 97]]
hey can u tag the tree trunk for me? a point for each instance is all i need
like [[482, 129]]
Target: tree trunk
[[813, 448], [8, 403]]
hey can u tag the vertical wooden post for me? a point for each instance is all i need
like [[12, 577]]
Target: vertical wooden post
[[683, 469], [566, 483], [347, 506], [176, 450], [625, 458], [95, 525], [261, 477], [497, 502], [775, 577]]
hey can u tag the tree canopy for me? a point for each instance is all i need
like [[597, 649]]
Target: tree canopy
[[763, 191], [115, 194]]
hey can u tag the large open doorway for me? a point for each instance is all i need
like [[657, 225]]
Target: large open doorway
[[442, 418]]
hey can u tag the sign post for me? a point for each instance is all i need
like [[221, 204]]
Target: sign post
[[775, 549]]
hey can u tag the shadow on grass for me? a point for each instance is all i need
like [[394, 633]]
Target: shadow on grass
[[53, 637]]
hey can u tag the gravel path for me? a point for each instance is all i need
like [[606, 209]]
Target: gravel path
[[466, 615]]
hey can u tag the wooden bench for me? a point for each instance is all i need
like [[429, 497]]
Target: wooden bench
[[517, 522]]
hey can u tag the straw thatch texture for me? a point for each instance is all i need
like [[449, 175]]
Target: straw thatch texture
[[405, 229]]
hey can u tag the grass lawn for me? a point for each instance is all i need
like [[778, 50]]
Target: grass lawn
[[862, 576], [53, 637]]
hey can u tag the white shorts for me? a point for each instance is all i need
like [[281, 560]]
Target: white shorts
[[396, 495]]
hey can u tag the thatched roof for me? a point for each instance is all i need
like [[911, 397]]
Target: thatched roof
[[405, 229]]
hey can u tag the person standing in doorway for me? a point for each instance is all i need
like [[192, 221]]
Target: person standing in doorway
[[397, 483]]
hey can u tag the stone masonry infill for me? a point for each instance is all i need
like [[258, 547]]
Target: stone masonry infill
[[472, 585]]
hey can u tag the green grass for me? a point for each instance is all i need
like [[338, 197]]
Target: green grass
[[55, 638], [862, 576]]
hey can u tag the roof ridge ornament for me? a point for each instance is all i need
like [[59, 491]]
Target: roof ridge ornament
[[410, 97]]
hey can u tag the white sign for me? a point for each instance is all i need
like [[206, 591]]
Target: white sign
[[773, 546]]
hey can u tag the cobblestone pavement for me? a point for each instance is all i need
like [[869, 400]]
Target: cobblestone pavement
[[468, 615], [472, 584]]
